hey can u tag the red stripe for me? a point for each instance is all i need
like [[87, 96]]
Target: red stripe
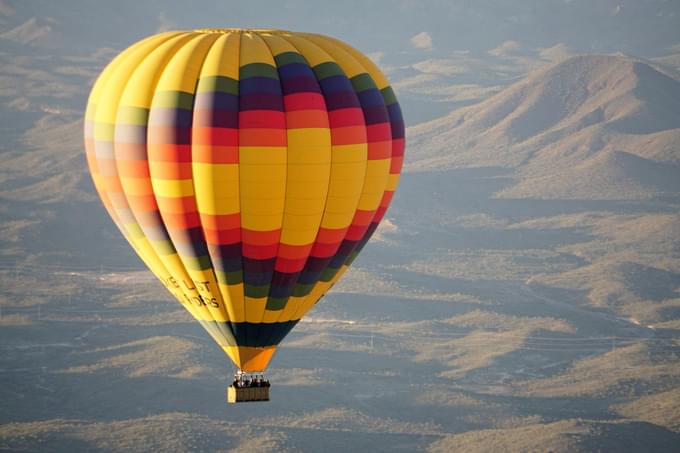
[[261, 237], [330, 235], [398, 145], [268, 119], [232, 236], [379, 132], [221, 221], [346, 117], [171, 170], [356, 232], [289, 266], [181, 221], [169, 153], [349, 135], [395, 165], [263, 137], [259, 252], [220, 136], [306, 118], [379, 150], [304, 101], [322, 250], [133, 168], [142, 202], [177, 205], [213, 154]]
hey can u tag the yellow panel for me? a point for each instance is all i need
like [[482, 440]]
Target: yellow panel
[[129, 59], [182, 71], [233, 296], [270, 189], [276, 44], [254, 308], [392, 182], [347, 62], [312, 53], [261, 222], [305, 206], [140, 89], [308, 172], [343, 205], [215, 173], [262, 155], [350, 153], [298, 237], [223, 58], [290, 309], [254, 50], [312, 190], [343, 188], [265, 207], [349, 172], [218, 205], [309, 138], [303, 222], [173, 188], [250, 360], [374, 184], [375, 73]]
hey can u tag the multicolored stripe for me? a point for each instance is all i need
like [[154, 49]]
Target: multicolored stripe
[[247, 168]]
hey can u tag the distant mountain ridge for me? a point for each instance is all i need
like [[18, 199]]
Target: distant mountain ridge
[[589, 127]]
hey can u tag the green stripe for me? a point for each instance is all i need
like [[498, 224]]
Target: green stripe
[[327, 69], [288, 58], [256, 292], [276, 304], [197, 264], [302, 290], [328, 274], [362, 82], [388, 95], [351, 258], [173, 99], [258, 70], [132, 115], [163, 247], [219, 84], [229, 278]]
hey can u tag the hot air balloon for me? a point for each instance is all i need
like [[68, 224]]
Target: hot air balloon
[[247, 169]]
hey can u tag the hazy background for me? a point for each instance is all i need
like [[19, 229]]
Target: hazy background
[[523, 293]]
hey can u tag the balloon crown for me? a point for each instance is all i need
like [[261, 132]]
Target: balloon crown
[[237, 30]]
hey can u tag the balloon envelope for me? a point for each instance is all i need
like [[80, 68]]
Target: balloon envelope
[[247, 168]]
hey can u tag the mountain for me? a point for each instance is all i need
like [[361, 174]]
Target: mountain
[[588, 127]]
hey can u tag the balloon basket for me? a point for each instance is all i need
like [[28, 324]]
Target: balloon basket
[[248, 388]]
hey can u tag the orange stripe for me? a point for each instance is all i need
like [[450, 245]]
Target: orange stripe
[[299, 119], [262, 137], [177, 205], [213, 154], [133, 168], [171, 170], [218, 136], [379, 150], [294, 252], [261, 237], [142, 203], [221, 222], [330, 236], [362, 217], [348, 135]]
